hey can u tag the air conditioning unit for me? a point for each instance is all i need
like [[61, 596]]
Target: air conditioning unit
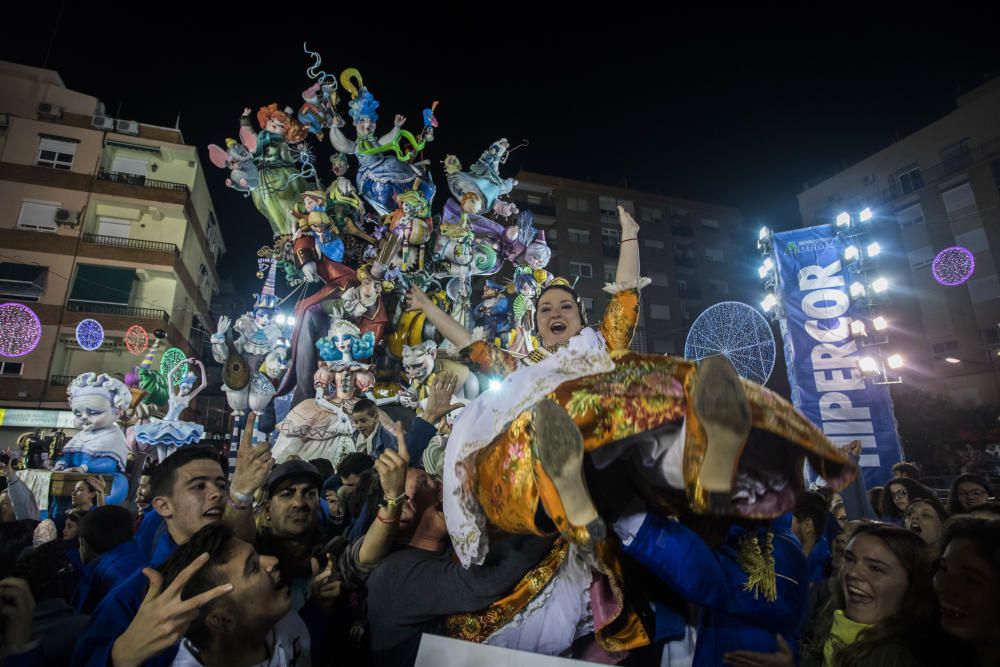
[[106, 123], [49, 111], [127, 127], [66, 217]]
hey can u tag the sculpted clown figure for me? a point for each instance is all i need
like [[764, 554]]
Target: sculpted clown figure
[[97, 402], [421, 365]]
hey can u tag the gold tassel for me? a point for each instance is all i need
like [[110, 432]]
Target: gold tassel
[[758, 563]]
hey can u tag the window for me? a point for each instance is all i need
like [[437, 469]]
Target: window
[[719, 286], [921, 258], [581, 236], [992, 336], [663, 345], [10, 367], [653, 244], [552, 237], [533, 199], [38, 216], [708, 223], [610, 270], [659, 312], [578, 204], [611, 235], [909, 216], [588, 303], [909, 180], [659, 279], [609, 206], [56, 152], [974, 240], [956, 156], [24, 282], [650, 214], [984, 289], [114, 227], [946, 349], [714, 255], [958, 197], [581, 269], [102, 284]]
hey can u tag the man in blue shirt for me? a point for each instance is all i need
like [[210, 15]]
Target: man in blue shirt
[[189, 491], [109, 553]]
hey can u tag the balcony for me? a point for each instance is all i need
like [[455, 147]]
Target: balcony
[[140, 187], [60, 380], [117, 310], [131, 244]]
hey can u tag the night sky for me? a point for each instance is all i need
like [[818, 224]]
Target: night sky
[[739, 112]]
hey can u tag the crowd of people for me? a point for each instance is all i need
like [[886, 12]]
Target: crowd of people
[[602, 505]]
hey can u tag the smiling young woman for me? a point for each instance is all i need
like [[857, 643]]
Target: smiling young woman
[[882, 612]]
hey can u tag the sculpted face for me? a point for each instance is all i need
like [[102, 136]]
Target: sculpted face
[[418, 361]]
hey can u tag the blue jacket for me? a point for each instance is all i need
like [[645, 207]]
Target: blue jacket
[[107, 571], [733, 619], [116, 611], [819, 559], [151, 528]]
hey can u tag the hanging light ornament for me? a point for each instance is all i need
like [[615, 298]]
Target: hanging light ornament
[[953, 266], [20, 330], [89, 334], [170, 359], [136, 339]]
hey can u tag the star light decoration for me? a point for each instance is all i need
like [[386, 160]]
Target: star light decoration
[[20, 330], [953, 266], [136, 339], [89, 334]]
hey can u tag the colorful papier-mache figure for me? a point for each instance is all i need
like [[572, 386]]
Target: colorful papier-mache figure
[[97, 402]]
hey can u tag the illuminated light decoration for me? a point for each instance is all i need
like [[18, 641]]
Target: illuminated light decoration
[[895, 361], [89, 334], [764, 233], [169, 360], [953, 266], [868, 365], [857, 289], [865, 215], [880, 285], [290, 321], [769, 302], [738, 332], [765, 268], [136, 339], [858, 328], [494, 385], [20, 330], [850, 253], [880, 323], [874, 249], [844, 219], [280, 319], [953, 360]]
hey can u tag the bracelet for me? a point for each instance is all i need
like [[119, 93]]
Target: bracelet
[[390, 503], [627, 240], [238, 506], [240, 497], [389, 521]]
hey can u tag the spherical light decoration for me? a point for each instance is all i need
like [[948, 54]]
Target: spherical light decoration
[[20, 330], [89, 334], [136, 339], [953, 266], [169, 360], [738, 332]]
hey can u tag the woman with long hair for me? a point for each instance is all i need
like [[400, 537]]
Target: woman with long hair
[[883, 609], [899, 493]]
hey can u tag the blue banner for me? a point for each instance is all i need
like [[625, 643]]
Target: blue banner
[[822, 357]]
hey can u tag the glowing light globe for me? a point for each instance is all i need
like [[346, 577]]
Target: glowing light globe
[[20, 330], [953, 266]]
